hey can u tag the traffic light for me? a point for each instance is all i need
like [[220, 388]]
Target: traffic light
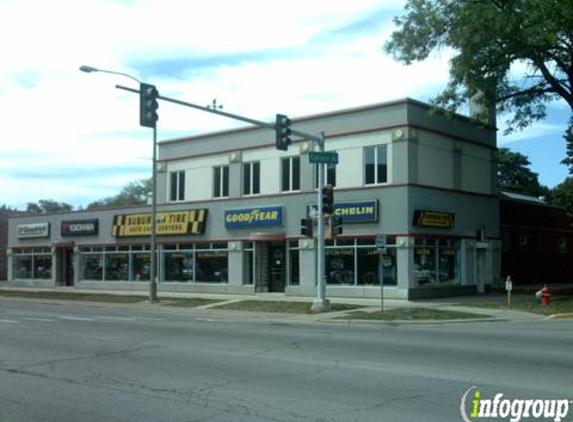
[[336, 225], [327, 200], [148, 105], [282, 127], [306, 227]]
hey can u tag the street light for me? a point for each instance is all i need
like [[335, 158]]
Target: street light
[[153, 267]]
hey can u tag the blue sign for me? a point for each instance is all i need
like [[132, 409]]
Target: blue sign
[[254, 217], [355, 212]]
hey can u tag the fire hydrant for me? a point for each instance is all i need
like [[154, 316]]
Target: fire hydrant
[[545, 296]]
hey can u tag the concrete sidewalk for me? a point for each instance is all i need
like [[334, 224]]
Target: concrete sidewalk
[[368, 304]]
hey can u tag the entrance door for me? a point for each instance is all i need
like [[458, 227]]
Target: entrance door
[[65, 266], [277, 266]]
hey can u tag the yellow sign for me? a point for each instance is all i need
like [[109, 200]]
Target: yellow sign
[[434, 219], [168, 223]]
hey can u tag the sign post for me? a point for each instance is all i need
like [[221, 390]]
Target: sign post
[[381, 242], [509, 288]]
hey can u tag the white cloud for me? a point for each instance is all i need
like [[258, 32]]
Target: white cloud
[[309, 57]]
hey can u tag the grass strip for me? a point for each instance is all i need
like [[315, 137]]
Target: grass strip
[[280, 307], [188, 302], [85, 297], [411, 314], [558, 305]]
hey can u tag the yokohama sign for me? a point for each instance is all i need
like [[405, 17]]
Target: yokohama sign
[[80, 228]]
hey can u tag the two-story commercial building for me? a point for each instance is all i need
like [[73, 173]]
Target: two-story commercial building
[[231, 204]]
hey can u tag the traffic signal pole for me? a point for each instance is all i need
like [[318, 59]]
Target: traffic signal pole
[[320, 304]]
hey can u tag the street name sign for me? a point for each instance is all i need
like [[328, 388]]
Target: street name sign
[[321, 157]]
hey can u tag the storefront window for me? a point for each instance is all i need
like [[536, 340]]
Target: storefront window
[[212, 266], [436, 262], [43, 267], [33, 263], [179, 266], [368, 267], [92, 265], [201, 262], [23, 266], [357, 262], [425, 266], [389, 266], [141, 266], [340, 266], [116, 267], [294, 264], [447, 265]]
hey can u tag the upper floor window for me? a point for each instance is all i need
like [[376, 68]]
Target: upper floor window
[[177, 185], [290, 171], [252, 178], [329, 176], [221, 182], [375, 165]]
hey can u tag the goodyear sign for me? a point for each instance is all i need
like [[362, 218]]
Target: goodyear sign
[[254, 217], [354, 212], [168, 223], [423, 218]]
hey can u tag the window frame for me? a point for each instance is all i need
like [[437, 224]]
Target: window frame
[[288, 180], [329, 175], [177, 181], [253, 169], [221, 188], [376, 163]]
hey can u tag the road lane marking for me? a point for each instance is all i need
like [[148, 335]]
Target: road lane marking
[[39, 319], [74, 318], [113, 318]]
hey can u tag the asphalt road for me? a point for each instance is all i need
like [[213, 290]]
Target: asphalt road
[[78, 362]]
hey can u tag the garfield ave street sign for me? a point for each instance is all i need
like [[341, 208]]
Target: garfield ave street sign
[[323, 157]]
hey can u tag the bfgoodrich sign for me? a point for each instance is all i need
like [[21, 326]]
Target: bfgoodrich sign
[[27, 231]]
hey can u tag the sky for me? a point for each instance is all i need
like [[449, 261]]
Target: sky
[[73, 137]]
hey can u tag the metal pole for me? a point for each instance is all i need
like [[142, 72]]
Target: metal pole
[[381, 270], [153, 267], [258, 123], [320, 304]]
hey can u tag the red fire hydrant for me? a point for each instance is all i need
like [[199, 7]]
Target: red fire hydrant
[[545, 295]]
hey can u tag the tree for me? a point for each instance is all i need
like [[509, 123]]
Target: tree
[[568, 160], [563, 195], [489, 39], [514, 174], [134, 193], [48, 205]]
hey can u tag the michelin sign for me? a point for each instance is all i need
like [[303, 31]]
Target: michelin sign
[[254, 217], [353, 212]]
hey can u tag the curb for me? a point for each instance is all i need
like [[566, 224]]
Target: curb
[[561, 316], [411, 322]]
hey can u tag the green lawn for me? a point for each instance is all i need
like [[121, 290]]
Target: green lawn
[[86, 297], [188, 302], [411, 314], [279, 307], [528, 303]]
